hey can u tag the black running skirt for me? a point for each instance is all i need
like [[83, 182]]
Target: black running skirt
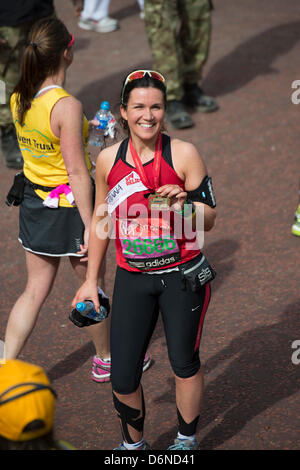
[[50, 232]]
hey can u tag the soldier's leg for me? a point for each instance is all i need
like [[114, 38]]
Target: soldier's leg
[[195, 34], [11, 46], [162, 22], [194, 37]]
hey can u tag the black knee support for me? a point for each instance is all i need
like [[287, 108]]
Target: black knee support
[[187, 429], [129, 416]]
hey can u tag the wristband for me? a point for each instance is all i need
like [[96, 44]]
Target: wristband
[[186, 208]]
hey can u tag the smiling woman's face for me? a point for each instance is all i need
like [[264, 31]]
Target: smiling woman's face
[[145, 112]]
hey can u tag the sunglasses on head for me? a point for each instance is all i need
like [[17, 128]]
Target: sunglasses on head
[[138, 74]]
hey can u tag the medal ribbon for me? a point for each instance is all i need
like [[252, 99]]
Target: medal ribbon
[[157, 161]]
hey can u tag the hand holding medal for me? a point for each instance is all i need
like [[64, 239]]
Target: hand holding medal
[[165, 196], [175, 195]]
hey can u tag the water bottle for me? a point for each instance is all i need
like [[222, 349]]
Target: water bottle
[[103, 116], [85, 314], [296, 224]]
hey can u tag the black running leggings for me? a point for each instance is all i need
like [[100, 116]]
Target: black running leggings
[[138, 298]]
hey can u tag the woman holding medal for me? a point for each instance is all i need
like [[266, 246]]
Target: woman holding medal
[[148, 185]]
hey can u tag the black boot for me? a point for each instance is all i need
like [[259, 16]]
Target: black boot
[[178, 117], [196, 98], [10, 148]]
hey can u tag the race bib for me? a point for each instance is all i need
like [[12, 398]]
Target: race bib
[[147, 246]]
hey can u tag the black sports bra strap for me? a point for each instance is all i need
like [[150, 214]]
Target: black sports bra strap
[[166, 150], [122, 150]]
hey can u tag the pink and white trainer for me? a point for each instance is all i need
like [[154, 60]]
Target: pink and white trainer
[[101, 368]]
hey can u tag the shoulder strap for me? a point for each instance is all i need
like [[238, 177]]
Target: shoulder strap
[[122, 150], [53, 96], [166, 150]]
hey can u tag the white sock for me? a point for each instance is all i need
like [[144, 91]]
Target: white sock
[[133, 446], [181, 436]]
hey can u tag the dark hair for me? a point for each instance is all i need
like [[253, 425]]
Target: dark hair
[[40, 443], [146, 82], [46, 42], [45, 442]]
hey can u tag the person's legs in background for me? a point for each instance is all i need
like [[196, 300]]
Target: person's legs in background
[[95, 17], [12, 40], [195, 34], [41, 272], [162, 20], [141, 5]]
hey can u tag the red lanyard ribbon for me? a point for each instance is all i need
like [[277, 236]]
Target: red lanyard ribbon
[[157, 161]]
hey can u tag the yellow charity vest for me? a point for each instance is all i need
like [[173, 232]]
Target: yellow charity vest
[[43, 161]]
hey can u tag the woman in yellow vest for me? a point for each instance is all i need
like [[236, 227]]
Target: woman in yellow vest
[[56, 210]]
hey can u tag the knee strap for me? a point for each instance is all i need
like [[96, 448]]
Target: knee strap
[[129, 416]]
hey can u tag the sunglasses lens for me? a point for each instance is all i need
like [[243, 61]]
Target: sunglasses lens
[[157, 76], [136, 75]]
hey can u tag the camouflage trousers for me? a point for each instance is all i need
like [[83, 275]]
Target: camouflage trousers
[[12, 41], [179, 36]]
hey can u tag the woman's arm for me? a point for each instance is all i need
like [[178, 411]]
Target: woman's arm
[[67, 123], [99, 237], [191, 169], [195, 170]]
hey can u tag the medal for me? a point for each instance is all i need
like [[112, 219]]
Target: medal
[[155, 200]]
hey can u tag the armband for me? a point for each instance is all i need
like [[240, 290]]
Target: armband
[[204, 193]]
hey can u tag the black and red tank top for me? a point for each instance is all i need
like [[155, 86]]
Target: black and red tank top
[[145, 240]]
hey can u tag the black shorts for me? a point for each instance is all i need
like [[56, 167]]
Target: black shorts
[[50, 232], [137, 300]]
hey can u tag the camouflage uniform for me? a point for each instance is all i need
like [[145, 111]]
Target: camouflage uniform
[[12, 41], [179, 36], [16, 19]]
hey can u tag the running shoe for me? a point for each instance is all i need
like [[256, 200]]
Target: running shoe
[[105, 25], [122, 447], [184, 444], [296, 224], [101, 368]]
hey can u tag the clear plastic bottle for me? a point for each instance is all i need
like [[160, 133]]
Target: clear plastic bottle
[[103, 116], [85, 314], [296, 224], [87, 309]]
